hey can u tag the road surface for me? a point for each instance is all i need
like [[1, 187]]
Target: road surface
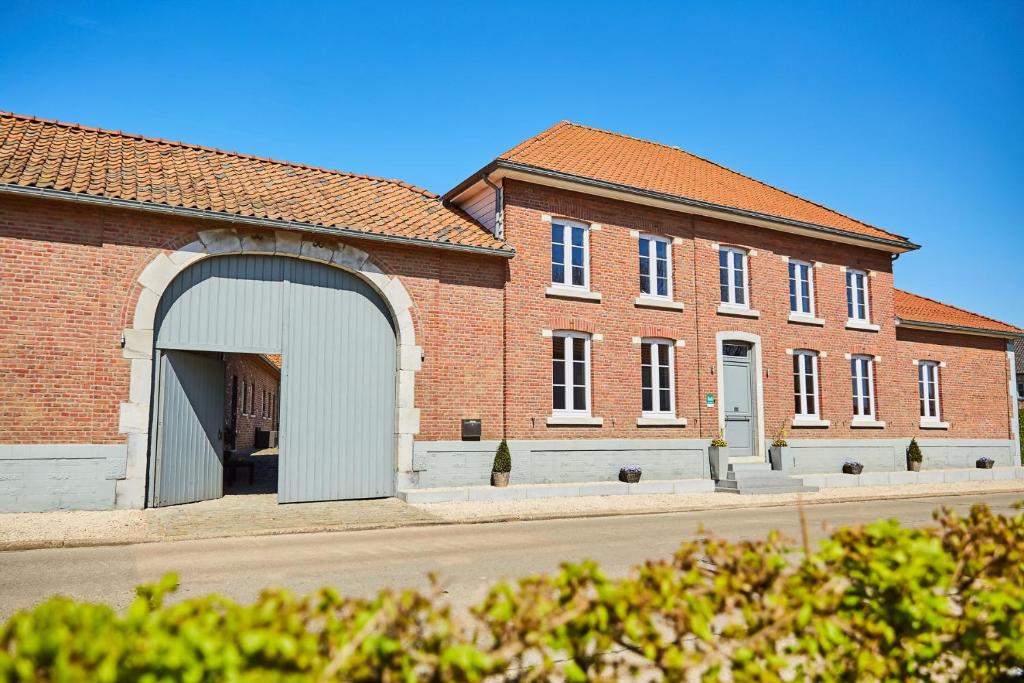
[[468, 557]]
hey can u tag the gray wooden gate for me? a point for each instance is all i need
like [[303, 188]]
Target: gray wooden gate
[[189, 453], [337, 430]]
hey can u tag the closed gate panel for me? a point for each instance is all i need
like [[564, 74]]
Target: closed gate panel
[[337, 431], [189, 449], [338, 389]]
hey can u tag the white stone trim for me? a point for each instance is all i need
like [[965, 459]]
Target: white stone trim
[[595, 227], [154, 278], [546, 217]]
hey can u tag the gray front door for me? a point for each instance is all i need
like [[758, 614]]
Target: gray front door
[[738, 398], [189, 449]]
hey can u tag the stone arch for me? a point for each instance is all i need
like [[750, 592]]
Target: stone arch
[[138, 339]]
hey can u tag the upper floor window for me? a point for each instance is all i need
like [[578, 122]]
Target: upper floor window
[[805, 383], [801, 288], [655, 266], [857, 295], [862, 377], [928, 390], [657, 378], [570, 246], [570, 373], [732, 275]]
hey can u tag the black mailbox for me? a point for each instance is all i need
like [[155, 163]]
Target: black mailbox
[[471, 430]]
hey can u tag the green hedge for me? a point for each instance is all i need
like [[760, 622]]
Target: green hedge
[[880, 602]]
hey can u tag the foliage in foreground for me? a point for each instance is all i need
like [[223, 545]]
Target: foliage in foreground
[[880, 602]]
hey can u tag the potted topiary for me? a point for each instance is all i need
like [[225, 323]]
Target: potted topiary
[[914, 456], [779, 453], [718, 454], [985, 463], [502, 465], [630, 474], [852, 467]]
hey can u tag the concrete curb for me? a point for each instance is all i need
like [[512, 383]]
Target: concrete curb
[[11, 546]]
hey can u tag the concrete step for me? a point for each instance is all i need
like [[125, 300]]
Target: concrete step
[[755, 476], [759, 483], [749, 467], [792, 488]]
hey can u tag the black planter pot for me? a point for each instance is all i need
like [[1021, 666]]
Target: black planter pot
[[629, 477], [985, 464], [853, 468]]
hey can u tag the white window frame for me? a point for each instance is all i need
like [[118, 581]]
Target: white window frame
[[571, 339], [652, 261], [860, 364], [794, 293], [925, 392], [656, 388], [730, 269], [854, 296], [567, 228], [245, 397], [804, 360]]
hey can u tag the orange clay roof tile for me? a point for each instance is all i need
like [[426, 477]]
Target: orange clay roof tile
[[38, 153], [601, 155], [917, 308]]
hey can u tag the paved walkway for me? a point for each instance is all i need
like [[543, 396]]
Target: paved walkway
[[468, 557], [260, 514]]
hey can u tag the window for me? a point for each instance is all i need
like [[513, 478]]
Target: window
[[732, 270], [263, 403], [252, 400], [801, 288], [569, 258], [570, 373], [857, 295], [928, 390], [1020, 387], [655, 266], [245, 397], [657, 378], [805, 383], [863, 387]]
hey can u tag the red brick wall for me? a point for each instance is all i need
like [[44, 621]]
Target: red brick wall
[[973, 386], [68, 290], [261, 381], [614, 272]]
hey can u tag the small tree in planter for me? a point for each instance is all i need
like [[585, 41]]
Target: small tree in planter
[[502, 465], [914, 456], [718, 454], [779, 453]]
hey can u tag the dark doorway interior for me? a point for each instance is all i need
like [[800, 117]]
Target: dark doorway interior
[[252, 409]]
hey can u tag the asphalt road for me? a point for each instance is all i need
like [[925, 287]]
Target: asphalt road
[[468, 557]]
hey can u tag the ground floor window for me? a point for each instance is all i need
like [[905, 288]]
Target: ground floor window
[[805, 383], [570, 373], [928, 390], [862, 377], [657, 378]]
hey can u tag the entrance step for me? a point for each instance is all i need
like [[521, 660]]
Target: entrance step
[[759, 478]]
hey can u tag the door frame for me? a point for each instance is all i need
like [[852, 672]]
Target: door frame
[[756, 369]]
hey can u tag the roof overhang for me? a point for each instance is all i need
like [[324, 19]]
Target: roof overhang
[[252, 221], [501, 168], [957, 329]]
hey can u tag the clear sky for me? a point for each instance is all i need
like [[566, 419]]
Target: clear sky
[[905, 115]]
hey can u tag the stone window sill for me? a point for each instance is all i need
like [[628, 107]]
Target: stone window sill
[[862, 326], [570, 293], [932, 424], [810, 422], [728, 309], [803, 319], [661, 422], [655, 302], [574, 421], [868, 424]]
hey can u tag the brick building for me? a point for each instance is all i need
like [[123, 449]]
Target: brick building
[[597, 299], [252, 385]]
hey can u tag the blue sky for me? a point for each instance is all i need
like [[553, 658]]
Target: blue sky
[[904, 115]]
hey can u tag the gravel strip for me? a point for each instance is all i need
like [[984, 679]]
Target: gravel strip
[[547, 508]]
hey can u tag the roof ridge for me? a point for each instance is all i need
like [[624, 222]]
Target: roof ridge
[[536, 138], [724, 168], [962, 310], [240, 155]]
